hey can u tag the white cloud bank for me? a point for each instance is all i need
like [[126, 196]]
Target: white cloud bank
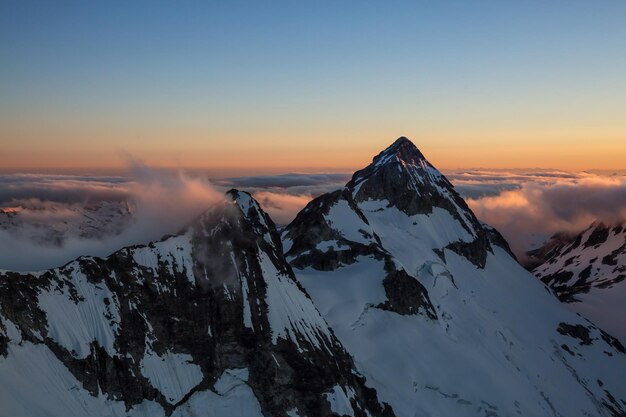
[[526, 206]]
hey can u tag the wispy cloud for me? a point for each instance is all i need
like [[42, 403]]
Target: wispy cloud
[[527, 206], [293, 181], [162, 204], [62, 188], [541, 205]]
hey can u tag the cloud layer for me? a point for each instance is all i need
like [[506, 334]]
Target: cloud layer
[[283, 196], [527, 206], [62, 188], [161, 204]]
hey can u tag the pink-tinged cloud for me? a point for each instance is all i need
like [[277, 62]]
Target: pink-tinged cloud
[[51, 233], [282, 207], [526, 207], [538, 209]]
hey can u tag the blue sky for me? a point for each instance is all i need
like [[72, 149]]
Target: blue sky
[[82, 81]]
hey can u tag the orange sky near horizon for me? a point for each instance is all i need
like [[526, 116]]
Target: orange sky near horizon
[[310, 86], [328, 153]]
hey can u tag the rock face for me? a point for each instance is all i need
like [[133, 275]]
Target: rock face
[[435, 310], [207, 322], [587, 271], [402, 178]]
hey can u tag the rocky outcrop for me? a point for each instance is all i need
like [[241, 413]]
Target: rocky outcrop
[[405, 295]]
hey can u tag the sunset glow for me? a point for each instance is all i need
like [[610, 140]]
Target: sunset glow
[[85, 86], [312, 208]]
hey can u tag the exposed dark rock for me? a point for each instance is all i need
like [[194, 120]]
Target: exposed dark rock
[[616, 409], [496, 239], [585, 273], [610, 283], [335, 258], [559, 277], [567, 349], [405, 295], [598, 236], [577, 331], [570, 260], [573, 245], [401, 175], [310, 228], [549, 251], [611, 258], [474, 251], [610, 340]]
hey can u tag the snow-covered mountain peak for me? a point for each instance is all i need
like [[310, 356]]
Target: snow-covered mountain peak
[[243, 200], [402, 150], [435, 310], [403, 178], [401, 183], [250, 216], [403, 163]]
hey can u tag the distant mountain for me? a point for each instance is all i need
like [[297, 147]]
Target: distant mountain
[[51, 223], [436, 312], [402, 304], [588, 271]]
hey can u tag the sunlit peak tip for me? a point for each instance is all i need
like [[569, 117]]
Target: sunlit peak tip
[[404, 149]]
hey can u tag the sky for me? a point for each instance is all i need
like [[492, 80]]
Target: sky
[[266, 87]]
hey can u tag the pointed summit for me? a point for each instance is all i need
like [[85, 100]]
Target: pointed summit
[[399, 184], [401, 175], [402, 163], [241, 213], [244, 201], [209, 319], [401, 150]]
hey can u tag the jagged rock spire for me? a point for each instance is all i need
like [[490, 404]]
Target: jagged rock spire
[[401, 175], [401, 159], [403, 150]]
